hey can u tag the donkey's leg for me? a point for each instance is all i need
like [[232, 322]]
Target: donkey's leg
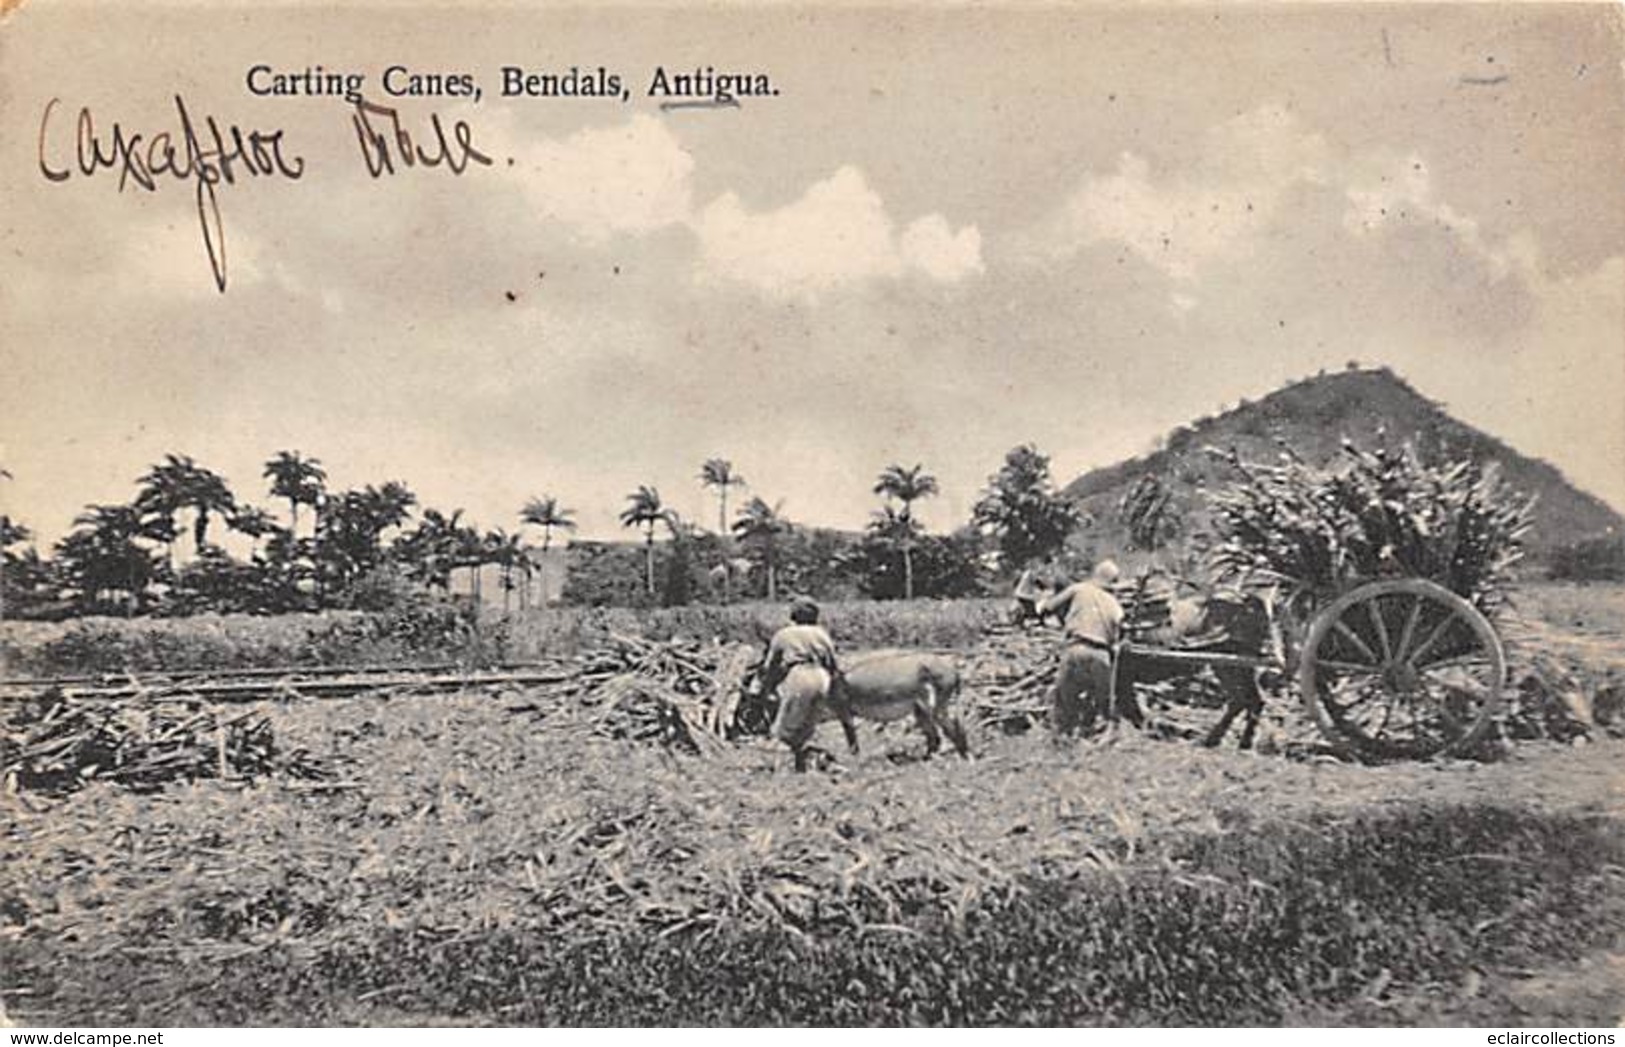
[[848, 726], [1255, 710], [949, 722], [838, 700], [1216, 735], [925, 709]]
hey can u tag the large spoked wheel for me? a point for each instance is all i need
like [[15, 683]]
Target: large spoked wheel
[[1402, 669]]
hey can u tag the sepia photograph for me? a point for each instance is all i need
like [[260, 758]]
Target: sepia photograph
[[813, 514]]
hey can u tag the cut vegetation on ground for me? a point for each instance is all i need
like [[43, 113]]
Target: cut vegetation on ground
[[540, 854]]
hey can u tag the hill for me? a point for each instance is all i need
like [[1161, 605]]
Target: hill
[[1374, 408]]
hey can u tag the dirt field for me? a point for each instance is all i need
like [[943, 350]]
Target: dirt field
[[467, 862]]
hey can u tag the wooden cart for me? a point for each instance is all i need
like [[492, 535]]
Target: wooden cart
[[1396, 669]]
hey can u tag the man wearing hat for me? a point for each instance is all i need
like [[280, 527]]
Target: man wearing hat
[[1092, 620]]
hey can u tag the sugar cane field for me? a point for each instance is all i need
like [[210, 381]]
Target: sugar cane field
[[588, 842]]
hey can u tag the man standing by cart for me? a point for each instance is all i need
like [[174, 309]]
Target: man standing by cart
[[1093, 621]]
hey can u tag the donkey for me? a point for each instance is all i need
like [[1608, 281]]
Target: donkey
[[888, 685], [1239, 624]]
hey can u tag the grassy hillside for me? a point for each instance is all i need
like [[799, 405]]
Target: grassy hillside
[[1372, 407]]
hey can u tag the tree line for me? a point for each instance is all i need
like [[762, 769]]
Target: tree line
[[366, 547]]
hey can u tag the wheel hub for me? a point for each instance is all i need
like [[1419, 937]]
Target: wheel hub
[[1401, 677]]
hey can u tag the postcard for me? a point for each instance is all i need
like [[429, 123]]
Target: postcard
[[460, 463]]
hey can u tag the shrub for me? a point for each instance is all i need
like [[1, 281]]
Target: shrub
[[381, 589], [417, 630], [421, 629], [604, 574], [945, 566]]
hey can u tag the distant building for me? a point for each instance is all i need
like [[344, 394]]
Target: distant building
[[543, 588]]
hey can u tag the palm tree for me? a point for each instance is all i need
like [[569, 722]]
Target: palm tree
[[507, 551], [11, 533], [719, 473], [101, 554], [471, 554], [644, 509], [350, 528], [180, 483], [906, 485], [254, 522], [526, 567], [389, 505], [157, 502], [546, 512], [431, 550], [206, 492], [760, 525], [298, 479]]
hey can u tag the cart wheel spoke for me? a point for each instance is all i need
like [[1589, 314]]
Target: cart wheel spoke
[[1433, 637], [1349, 668], [1374, 609], [1402, 651], [1360, 645]]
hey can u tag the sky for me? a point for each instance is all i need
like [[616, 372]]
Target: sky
[[953, 230]]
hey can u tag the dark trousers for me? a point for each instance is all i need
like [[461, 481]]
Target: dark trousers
[[1083, 689]]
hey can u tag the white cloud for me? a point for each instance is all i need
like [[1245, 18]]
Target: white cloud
[[838, 233], [1179, 223], [1213, 212], [636, 178], [1391, 190], [630, 178], [1390, 185], [930, 245]]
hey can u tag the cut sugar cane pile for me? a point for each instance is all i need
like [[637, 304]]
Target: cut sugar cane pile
[[55, 745], [1381, 514], [678, 693]]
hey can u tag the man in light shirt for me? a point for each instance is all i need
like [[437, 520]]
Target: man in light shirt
[[800, 668], [1093, 621]]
